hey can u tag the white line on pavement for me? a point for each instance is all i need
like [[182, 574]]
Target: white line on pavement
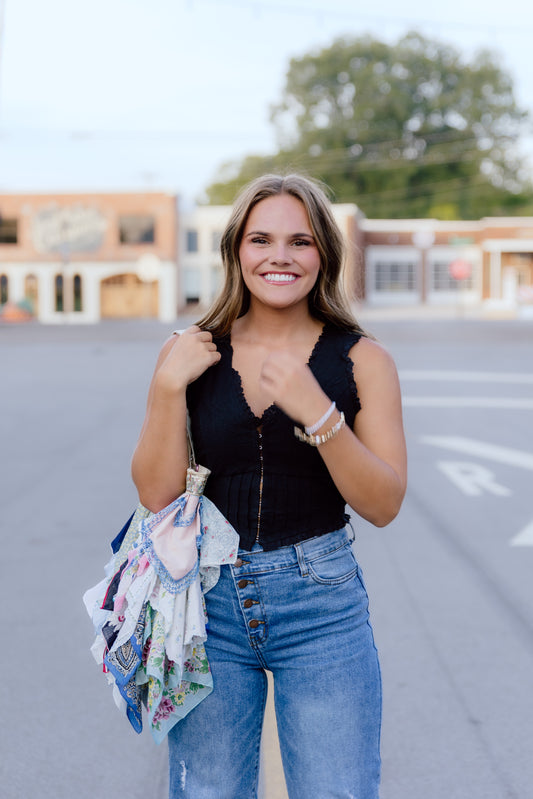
[[467, 377], [493, 452], [503, 403]]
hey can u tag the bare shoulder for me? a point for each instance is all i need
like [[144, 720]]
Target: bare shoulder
[[167, 346], [372, 359]]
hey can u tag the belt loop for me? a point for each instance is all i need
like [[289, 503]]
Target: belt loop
[[301, 560]]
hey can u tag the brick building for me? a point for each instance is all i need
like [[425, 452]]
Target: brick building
[[83, 257], [490, 261]]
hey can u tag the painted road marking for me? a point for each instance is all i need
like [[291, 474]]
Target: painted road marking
[[524, 538], [480, 449], [500, 403], [472, 478], [448, 376], [466, 377]]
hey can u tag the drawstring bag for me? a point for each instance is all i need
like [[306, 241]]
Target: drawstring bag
[[149, 611]]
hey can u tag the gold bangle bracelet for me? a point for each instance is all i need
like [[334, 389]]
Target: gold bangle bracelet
[[316, 441]]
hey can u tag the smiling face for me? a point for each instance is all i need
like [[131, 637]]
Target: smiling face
[[278, 254]]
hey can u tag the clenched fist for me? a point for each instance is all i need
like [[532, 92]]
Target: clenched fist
[[188, 356]]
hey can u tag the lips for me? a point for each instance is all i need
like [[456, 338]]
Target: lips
[[281, 278]]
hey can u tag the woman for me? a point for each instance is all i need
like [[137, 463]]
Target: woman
[[297, 413]]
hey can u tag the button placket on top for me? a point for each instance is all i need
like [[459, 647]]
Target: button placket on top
[[250, 603]]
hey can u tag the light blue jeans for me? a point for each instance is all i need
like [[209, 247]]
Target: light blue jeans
[[301, 612]]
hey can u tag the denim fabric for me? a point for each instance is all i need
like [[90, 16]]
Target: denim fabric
[[301, 612]]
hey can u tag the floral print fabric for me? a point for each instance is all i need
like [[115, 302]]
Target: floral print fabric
[[149, 611]]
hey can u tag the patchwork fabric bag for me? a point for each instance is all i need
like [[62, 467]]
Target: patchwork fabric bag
[[149, 611]]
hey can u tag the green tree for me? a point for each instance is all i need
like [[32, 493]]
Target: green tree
[[403, 130]]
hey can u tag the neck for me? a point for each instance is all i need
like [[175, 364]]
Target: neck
[[269, 324]]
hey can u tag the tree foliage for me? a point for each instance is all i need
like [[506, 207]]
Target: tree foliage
[[403, 130]]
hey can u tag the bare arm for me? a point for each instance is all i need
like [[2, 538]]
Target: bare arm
[[160, 459], [369, 463]]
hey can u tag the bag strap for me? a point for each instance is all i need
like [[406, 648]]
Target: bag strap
[[190, 446]]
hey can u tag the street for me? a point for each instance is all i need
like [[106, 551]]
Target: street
[[450, 580]]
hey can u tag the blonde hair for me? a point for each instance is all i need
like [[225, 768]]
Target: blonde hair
[[327, 299]]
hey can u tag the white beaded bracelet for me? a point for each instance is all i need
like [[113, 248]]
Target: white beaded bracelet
[[321, 421]]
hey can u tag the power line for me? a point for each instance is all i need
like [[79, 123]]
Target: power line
[[329, 10]]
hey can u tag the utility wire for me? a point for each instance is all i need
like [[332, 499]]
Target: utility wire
[[330, 10]]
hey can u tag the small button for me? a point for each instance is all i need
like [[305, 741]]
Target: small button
[[238, 563], [253, 624], [243, 583], [248, 603]]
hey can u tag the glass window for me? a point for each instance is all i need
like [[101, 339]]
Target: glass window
[[78, 297], [59, 291], [8, 231], [136, 229], [443, 281], [4, 289], [191, 285], [192, 241], [395, 276]]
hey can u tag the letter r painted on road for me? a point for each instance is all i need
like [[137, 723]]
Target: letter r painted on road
[[472, 479]]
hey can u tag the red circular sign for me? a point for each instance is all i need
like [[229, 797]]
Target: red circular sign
[[460, 269]]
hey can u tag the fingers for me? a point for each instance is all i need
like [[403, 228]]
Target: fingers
[[193, 352], [291, 385], [284, 377], [200, 335]]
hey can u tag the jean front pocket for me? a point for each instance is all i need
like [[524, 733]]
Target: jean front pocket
[[335, 567]]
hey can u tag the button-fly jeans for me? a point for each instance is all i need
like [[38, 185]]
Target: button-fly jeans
[[301, 612]]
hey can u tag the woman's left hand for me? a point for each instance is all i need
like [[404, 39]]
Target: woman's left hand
[[291, 385]]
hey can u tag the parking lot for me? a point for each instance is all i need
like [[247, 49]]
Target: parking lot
[[449, 580]]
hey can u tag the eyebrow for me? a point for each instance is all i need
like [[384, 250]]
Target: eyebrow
[[292, 235]]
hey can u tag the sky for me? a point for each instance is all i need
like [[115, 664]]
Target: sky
[[114, 95]]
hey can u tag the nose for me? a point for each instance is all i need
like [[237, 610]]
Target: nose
[[281, 255]]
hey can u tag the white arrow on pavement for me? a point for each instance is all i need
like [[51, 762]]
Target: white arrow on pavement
[[524, 538]]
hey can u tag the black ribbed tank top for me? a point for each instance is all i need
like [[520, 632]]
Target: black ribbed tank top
[[273, 488]]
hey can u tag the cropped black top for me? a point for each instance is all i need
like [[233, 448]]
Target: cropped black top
[[273, 488]]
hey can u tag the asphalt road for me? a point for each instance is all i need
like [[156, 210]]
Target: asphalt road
[[449, 581]]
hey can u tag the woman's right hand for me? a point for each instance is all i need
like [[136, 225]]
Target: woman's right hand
[[160, 457], [184, 358]]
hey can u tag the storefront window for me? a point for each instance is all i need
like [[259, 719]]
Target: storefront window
[[78, 296], [136, 229], [4, 289], [59, 292], [395, 276]]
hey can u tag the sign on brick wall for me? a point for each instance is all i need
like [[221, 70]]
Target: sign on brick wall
[[68, 230]]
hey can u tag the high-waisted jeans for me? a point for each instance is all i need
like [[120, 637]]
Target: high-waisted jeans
[[301, 612]]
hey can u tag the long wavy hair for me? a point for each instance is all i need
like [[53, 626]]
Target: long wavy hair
[[327, 299]]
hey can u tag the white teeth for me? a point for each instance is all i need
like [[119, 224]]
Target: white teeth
[[279, 277]]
